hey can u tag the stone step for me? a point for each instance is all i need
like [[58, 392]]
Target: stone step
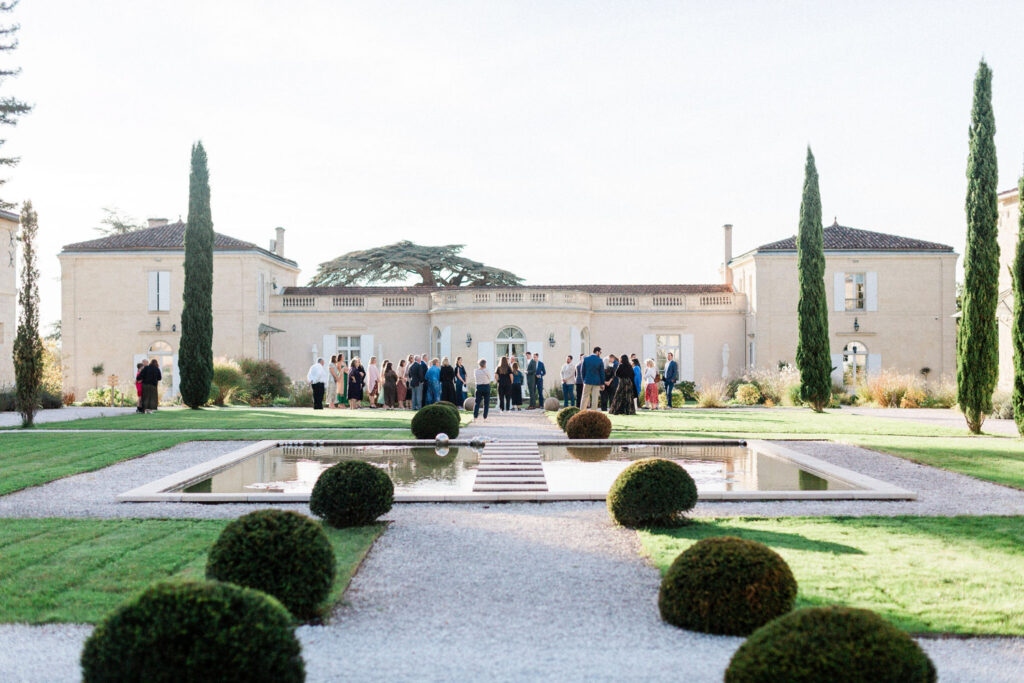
[[509, 488]]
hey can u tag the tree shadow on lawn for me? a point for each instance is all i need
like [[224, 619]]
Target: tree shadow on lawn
[[701, 529]]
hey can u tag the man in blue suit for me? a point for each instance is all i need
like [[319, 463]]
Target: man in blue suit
[[541, 371], [670, 378], [593, 380]]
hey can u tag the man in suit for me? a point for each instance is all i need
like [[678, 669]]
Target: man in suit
[[611, 382], [417, 375], [593, 380], [541, 371], [670, 377], [579, 382], [531, 378]]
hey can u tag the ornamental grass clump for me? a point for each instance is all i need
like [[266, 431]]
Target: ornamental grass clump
[[651, 492], [352, 493], [195, 631], [588, 424], [726, 586], [279, 552], [830, 644], [564, 415], [437, 418], [748, 394]]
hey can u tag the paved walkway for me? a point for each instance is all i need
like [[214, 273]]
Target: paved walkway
[[937, 417], [514, 425]]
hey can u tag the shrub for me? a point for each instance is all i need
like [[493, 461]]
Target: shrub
[[588, 424], [564, 415], [227, 378], [352, 493], [942, 394], [792, 396], [712, 393], [888, 388], [195, 631], [915, 397], [651, 492], [727, 586], [449, 404], [278, 552], [551, 404], [300, 395], [1002, 406], [830, 644], [101, 397], [748, 394], [429, 421], [679, 396], [264, 378]]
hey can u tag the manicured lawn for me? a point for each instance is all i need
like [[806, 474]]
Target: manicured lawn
[[29, 459], [245, 418], [924, 574], [62, 570]]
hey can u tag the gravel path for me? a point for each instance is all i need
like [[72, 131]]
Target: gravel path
[[13, 419], [503, 593]]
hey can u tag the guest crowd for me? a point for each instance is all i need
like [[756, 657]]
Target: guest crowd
[[617, 384]]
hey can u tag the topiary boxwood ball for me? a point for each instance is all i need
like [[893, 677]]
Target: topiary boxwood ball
[[564, 415], [830, 644], [448, 403], [278, 552], [352, 493], [195, 631], [551, 404], [726, 585], [651, 492], [469, 404], [437, 418], [589, 424]]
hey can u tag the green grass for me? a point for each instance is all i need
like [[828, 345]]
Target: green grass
[[958, 575], [62, 570], [30, 459], [245, 418]]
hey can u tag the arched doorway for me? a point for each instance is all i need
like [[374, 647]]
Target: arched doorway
[[855, 363], [510, 342], [164, 355]]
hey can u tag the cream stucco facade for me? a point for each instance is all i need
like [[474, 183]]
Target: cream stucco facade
[[115, 290], [8, 294], [1009, 228]]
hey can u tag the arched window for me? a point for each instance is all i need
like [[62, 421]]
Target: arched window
[[435, 343], [511, 342], [164, 355], [855, 363], [160, 347]]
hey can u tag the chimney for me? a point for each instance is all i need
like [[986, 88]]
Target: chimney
[[279, 242], [156, 222], [726, 270]]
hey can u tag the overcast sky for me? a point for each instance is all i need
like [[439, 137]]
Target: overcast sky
[[569, 142]]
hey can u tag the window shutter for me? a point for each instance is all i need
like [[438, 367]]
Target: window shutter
[[164, 287], [686, 357], [650, 348], [485, 351], [871, 291], [330, 346], [837, 369], [154, 288], [839, 292], [446, 343], [535, 348], [575, 341], [365, 348], [874, 364]]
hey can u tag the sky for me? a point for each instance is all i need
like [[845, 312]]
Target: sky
[[569, 142]]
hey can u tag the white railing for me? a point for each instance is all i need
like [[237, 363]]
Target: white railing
[[620, 301], [508, 297], [538, 297], [716, 300], [481, 297], [298, 302], [398, 301], [668, 300], [348, 302], [451, 298]]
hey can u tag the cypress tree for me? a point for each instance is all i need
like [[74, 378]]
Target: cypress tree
[[1017, 335], [28, 347], [812, 351], [195, 357], [977, 341]]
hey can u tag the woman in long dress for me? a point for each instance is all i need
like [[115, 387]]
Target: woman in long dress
[[390, 386], [448, 382], [342, 391], [504, 375], [637, 380], [356, 377], [401, 388], [623, 400], [651, 390], [460, 382], [517, 387], [332, 382]]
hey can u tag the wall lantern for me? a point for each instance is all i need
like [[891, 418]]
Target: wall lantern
[[273, 283], [856, 325], [551, 340], [469, 340], [174, 327], [158, 324]]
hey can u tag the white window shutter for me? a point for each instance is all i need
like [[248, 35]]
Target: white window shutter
[[164, 286], [839, 291], [686, 370], [365, 348], [446, 343], [874, 364], [485, 351], [650, 348], [575, 342], [330, 346], [837, 369], [535, 348], [154, 288], [871, 291]]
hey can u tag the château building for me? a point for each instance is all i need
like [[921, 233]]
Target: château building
[[9, 223]]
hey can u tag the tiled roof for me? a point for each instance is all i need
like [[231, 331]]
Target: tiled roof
[[842, 238], [10, 215], [590, 289], [170, 237]]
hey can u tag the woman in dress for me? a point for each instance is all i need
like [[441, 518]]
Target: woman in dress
[[517, 387], [341, 399], [637, 379], [332, 381], [504, 374], [408, 389], [625, 394], [651, 390], [373, 381], [460, 382], [356, 378], [390, 386], [448, 382], [401, 388]]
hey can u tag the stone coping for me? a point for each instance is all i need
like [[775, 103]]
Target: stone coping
[[868, 488]]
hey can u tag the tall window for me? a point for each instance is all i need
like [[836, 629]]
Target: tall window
[[511, 342], [435, 342], [855, 363], [855, 291], [261, 292], [159, 290], [666, 343], [350, 347]]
